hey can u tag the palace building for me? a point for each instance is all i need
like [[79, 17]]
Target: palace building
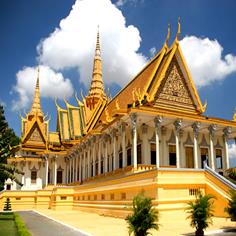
[[152, 136]]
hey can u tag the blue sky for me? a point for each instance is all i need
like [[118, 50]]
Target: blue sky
[[24, 24]]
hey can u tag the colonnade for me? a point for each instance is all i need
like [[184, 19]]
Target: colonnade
[[99, 154]]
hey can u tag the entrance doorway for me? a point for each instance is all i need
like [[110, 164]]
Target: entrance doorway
[[59, 176], [172, 155], [189, 157], [204, 156]]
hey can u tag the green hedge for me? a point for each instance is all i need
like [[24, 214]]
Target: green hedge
[[20, 225]]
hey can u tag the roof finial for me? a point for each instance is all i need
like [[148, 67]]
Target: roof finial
[[98, 42], [168, 34], [178, 32]]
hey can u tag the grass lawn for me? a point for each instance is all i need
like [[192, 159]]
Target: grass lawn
[[7, 224]]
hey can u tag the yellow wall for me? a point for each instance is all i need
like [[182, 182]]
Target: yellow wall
[[112, 195]]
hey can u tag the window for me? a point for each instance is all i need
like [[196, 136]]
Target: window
[[189, 157], [59, 176], [101, 166], [219, 159], [63, 197], [172, 155], [123, 196], [139, 154], [112, 196], [96, 168], [49, 180], [120, 160], [33, 176], [95, 197], [129, 157], [89, 197], [103, 196], [193, 191], [153, 154]]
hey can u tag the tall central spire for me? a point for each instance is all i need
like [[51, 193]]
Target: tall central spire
[[96, 90], [36, 107]]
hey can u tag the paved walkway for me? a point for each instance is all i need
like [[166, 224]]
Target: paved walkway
[[171, 223], [39, 225]]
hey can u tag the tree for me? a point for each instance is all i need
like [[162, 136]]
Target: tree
[[8, 142], [201, 212], [144, 216], [7, 205], [231, 209]]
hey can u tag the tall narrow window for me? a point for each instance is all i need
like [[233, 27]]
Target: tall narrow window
[[129, 157], [172, 155], [59, 176], [120, 160], [139, 154], [153, 153], [33, 176], [189, 157], [219, 159], [102, 165]]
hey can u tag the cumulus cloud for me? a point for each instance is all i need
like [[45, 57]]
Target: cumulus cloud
[[52, 84], [206, 61], [72, 44]]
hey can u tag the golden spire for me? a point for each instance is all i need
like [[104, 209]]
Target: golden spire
[[96, 90], [36, 107]]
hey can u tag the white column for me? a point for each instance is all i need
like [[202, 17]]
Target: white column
[[133, 118], [164, 146], [212, 129], [114, 149], [46, 171], [84, 166], [23, 176], [99, 156], [106, 154], [226, 131], [124, 154], [157, 121], [178, 124], [80, 167], [55, 170], [70, 167], [196, 127], [76, 166], [88, 162], [94, 155]]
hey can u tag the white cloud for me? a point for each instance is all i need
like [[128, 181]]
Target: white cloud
[[205, 60], [152, 51], [232, 154], [232, 151], [121, 3], [52, 84], [72, 45]]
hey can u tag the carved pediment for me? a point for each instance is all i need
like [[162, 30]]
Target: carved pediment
[[174, 90], [35, 135]]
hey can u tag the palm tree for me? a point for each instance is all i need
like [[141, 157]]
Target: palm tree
[[231, 209], [144, 216], [201, 212]]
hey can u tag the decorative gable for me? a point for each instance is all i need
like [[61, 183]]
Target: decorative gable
[[35, 135], [174, 91]]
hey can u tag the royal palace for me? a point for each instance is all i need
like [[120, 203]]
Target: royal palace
[[152, 136]]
